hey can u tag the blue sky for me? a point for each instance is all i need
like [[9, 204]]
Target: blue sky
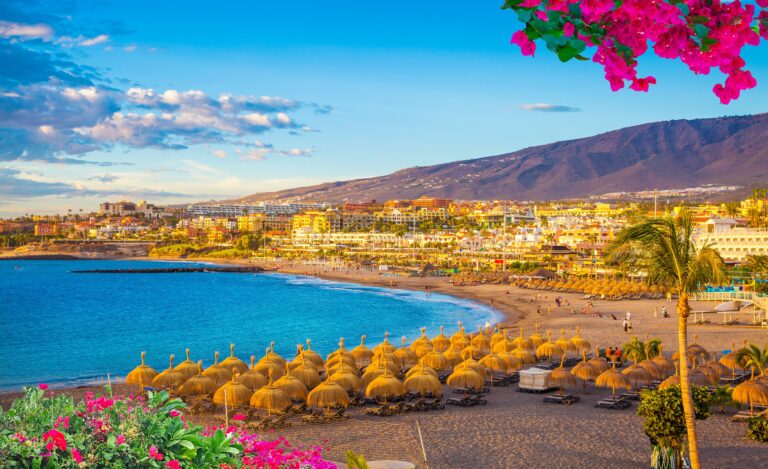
[[255, 96]]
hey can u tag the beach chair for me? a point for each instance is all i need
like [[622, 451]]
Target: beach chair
[[397, 409], [461, 402], [280, 422], [614, 404], [298, 409], [566, 399], [316, 416], [259, 425], [477, 400], [744, 415], [340, 414], [435, 404], [417, 406], [380, 411], [631, 395]]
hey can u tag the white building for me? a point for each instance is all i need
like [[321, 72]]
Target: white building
[[734, 243]]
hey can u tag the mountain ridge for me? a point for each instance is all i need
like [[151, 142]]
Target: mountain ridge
[[658, 155]]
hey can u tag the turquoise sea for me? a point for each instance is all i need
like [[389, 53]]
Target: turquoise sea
[[58, 327]]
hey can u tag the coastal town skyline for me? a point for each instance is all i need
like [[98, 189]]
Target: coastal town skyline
[[130, 105]]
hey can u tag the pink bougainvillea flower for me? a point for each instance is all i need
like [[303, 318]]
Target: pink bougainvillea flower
[[238, 417], [527, 47], [173, 464], [569, 29], [174, 413], [42, 386], [155, 454], [55, 440], [641, 84], [76, 456], [120, 439]]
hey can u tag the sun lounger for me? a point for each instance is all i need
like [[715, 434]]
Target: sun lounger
[[382, 411], [743, 415], [417, 406], [279, 422], [298, 409], [633, 396], [436, 404], [566, 399], [611, 403]]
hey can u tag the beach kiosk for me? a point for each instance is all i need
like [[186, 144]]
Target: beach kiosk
[[534, 380]]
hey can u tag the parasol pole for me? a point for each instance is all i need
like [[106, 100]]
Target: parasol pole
[[423, 451], [226, 409], [109, 385]]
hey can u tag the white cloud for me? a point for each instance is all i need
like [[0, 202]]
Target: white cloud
[[130, 48], [101, 38], [10, 29], [219, 153], [547, 107]]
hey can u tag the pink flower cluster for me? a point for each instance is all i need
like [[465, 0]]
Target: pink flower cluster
[[703, 34]]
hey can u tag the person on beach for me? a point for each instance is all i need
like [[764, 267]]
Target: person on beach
[[549, 310], [538, 309], [629, 327], [655, 312], [629, 316], [626, 325], [664, 312]]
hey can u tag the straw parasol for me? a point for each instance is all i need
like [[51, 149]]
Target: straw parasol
[[548, 349], [504, 344], [421, 368], [565, 345], [657, 371], [696, 351], [233, 363], [384, 347], [511, 359], [536, 338], [188, 368], [339, 360], [405, 356], [561, 378], [461, 339], [328, 394], [388, 360], [453, 356], [340, 352], [236, 393], [481, 341], [585, 371], [270, 398], [612, 378], [292, 386], [523, 343], [441, 342], [668, 366], [307, 374], [730, 360], [581, 344], [253, 379], [524, 356], [436, 361], [421, 341], [385, 387], [718, 367], [198, 385], [312, 356], [142, 375], [169, 378], [473, 351], [466, 377], [478, 367], [423, 383], [372, 372], [271, 356], [637, 375], [599, 362], [495, 363], [217, 372], [347, 378], [266, 367], [362, 353], [750, 392], [695, 377]]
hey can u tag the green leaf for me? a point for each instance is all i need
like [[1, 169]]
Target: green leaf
[[684, 8], [524, 15], [701, 30], [571, 50]]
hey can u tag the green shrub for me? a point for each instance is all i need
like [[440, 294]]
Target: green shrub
[[757, 429]]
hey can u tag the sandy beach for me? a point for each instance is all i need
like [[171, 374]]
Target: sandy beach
[[516, 429]]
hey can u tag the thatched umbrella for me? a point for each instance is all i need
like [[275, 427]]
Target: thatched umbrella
[[347, 378], [307, 374], [581, 344], [421, 341], [372, 372], [233, 392], [421, 368], [232, 363], [142, 375], [198, 385], [267, 367], [657, 371], [750, 392], [637, 375], [695, 377], [436, 361], [525, 357], [388, 360], [473, 351], [564, 344], [405, 356], [461, 339], [729, 360], [270, 398], [585, 371], [497, 336], [503, 344], [292, 386], [561, 378], [599, 362], [712, 374], [612, 378], [169, 378], [188, 368], [340, 352], [696, 351], [328, 394], [536, 339], [217, 372], [312, 356], [385, 346], [511, 359], [253, 379], [523, 343], [478, 367], [385, 387], [423, 383], [271, 356], [481, 341], [466, 377], [548, 349], [362, 353], [453, 356], [441, 342], [495, 363], [341, 360]]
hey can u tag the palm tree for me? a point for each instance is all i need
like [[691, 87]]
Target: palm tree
[[753, 358], [664, 249], [722, 396], [637, 350]]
